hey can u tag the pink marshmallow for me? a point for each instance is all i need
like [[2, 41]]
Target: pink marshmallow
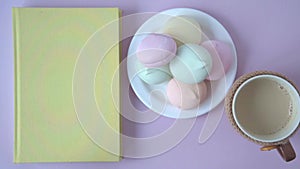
[[156, 50]]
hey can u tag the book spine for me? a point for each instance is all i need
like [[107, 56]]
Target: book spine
[[15, 17]]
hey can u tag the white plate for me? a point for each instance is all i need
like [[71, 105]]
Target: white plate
[[154, 97]]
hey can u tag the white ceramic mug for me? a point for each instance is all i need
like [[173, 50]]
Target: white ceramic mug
[[264, 107]]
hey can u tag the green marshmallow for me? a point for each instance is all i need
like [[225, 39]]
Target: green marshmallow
[[192, 64], [155, 75]]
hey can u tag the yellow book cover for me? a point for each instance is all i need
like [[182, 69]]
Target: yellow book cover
[[66, 84]]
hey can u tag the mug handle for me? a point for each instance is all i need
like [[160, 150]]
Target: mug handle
[[286, 150]]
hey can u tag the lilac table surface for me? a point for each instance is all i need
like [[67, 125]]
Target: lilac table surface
[[267, 37]]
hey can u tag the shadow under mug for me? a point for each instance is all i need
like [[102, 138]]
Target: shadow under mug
[[263, 113]]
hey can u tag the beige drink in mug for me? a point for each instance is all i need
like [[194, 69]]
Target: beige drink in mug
[[264, 107]]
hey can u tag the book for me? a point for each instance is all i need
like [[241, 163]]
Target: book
[[66, 84]]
